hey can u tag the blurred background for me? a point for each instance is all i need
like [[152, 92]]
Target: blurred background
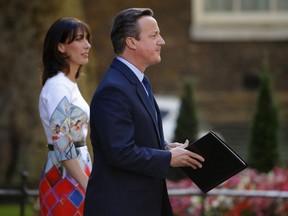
[[220, 44]]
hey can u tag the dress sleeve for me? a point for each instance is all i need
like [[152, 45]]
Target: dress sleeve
[[59, 107]]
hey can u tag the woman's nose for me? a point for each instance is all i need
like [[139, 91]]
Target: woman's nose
[[87, 45]]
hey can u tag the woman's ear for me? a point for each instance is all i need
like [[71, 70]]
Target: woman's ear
[[131, 42], [61, 47]]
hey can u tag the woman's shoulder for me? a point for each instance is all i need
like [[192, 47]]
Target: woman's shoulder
[[59, 80], [58, 84]]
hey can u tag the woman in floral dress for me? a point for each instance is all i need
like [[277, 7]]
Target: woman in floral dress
[[65, 115]]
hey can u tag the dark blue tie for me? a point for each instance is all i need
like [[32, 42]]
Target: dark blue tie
[[147, 85], [148, 88]]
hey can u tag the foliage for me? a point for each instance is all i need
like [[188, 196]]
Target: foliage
[[187, 122], [23, 25], [263, 152], [14, 209], [248, 179], [19, 60]]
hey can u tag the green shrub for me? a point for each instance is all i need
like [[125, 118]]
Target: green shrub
[[187, 123], [263, 153]]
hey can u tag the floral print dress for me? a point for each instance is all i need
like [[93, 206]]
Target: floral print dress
[[65, 116]]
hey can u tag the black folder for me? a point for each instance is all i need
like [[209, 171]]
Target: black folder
[[221, 162]]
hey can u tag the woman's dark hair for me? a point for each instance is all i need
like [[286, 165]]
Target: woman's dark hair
[[63, 30], [125, 25]]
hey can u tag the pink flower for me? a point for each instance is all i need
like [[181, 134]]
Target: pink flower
[[248, 179]]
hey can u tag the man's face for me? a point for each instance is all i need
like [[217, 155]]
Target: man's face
[[149, 45]]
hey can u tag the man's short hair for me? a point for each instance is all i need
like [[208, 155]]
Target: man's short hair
[[125, 25]]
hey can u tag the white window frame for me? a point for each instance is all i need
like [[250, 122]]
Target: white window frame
[[237, 25]]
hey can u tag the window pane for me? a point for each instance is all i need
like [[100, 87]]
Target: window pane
[[255, 5], [282, 5], [218, 5]]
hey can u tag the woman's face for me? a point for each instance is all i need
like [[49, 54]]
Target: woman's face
[[77, 51]]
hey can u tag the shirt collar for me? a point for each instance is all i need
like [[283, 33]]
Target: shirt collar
[[135, 70]]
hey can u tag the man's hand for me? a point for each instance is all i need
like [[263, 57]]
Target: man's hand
[[182, 157], [169, 146]]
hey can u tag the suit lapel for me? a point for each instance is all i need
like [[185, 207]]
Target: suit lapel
[[126, 71], [145, 100]]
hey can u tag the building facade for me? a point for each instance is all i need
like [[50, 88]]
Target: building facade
[[221, 44]]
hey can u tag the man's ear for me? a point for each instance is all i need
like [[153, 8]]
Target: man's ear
[[61, 48], [131, 42]]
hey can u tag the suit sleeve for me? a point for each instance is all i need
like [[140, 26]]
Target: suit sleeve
[[115, 117]]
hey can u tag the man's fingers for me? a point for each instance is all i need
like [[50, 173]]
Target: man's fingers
[[194, 163], [196, 156], [186, 143]]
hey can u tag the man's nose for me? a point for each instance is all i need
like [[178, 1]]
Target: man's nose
[[161, 41]]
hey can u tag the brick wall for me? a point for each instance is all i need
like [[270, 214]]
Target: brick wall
[[219, 68], [224, 103]]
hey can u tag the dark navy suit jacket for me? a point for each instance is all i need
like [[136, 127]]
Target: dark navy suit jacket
[[130, 164]]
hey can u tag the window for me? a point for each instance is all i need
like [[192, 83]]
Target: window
[[228, 20]]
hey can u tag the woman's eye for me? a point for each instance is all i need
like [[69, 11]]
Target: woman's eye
[[78, 38]]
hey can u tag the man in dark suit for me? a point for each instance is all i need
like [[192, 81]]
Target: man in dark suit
[[131, 158]]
